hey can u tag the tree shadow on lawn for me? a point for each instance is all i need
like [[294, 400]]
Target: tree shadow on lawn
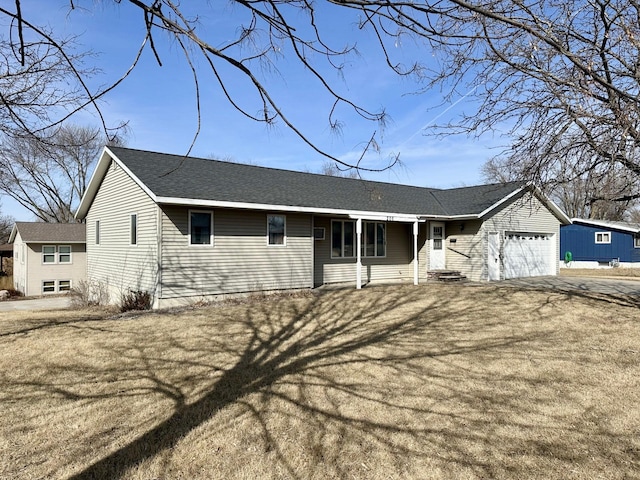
[[291, 351]]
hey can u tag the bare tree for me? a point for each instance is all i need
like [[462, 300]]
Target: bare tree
[[580, 194], [331, 169], [48, 175], [6, 225], [561, 75]]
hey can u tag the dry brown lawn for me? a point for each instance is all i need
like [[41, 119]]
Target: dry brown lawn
[[628, 273], [394, 382]]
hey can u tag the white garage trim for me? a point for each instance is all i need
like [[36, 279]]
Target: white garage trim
[[528, 254]]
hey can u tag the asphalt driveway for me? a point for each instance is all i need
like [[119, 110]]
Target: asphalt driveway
[[609, 286], [51, 303]]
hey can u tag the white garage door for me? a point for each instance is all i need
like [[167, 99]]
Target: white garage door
[[528, 255]]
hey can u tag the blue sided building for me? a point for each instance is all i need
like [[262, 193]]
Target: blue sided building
[[599, 243]]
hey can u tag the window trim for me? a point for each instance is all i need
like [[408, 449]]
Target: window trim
[[211, 235], [42, 286], [375, 239], [133, 229], [60, 253], [284, 233], [603, 241], [342, 222], [54, 254]]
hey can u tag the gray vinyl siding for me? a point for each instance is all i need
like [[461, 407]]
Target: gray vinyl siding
[[114, 262], [239, 260], [397, 265], [524, 214], [464, 247]]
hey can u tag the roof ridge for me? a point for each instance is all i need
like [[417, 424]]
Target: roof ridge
[[346, 179]]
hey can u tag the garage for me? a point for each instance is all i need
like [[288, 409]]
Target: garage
[[528, 254]]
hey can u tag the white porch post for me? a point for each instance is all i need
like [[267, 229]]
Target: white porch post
[[358, 254], [415, 252]]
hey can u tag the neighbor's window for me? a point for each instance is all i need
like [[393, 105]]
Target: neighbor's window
[[343, 238], [64, 254], [134, 229], [48, 254], [276, 229], [48, 286], [374, 241], [636, 241], [200, 228], [64, 285], [318, 233], [97, 232], [603, 237]]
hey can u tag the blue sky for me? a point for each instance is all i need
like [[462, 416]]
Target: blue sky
[[159, 102]]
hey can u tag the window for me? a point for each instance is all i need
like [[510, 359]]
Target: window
[[342, 238], [48, 254], [318, 233], [603, 237], [200, 228], [134, 229], [48, 286], [97, 232], [276, 229], [64, 285], [64, 254], [374, 241], [636, 241]]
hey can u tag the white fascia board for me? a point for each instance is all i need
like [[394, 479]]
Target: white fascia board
[[14, 232], [96, 179], [541, 196], [604, 224], [191, 202], [445, 218]]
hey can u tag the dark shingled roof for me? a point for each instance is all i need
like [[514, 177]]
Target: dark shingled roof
[[176, 176], [39, 232]]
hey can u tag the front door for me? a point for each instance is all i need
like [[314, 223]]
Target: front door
[[436, 250], [493, 261]]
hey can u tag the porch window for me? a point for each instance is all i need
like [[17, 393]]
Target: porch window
[[342, 238], [276, 229], [200, 228], [64, 254], [374, 243], [603, 237], [48, 254]]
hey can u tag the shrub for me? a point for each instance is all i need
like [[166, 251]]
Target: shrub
[[136, 300], [89, 294]]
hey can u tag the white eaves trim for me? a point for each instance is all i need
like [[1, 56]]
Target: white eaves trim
[[606, 224], [96, 179], [400, 217], [529, 186]]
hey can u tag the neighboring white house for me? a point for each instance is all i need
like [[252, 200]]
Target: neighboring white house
[[186, 228], [48, 257]]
